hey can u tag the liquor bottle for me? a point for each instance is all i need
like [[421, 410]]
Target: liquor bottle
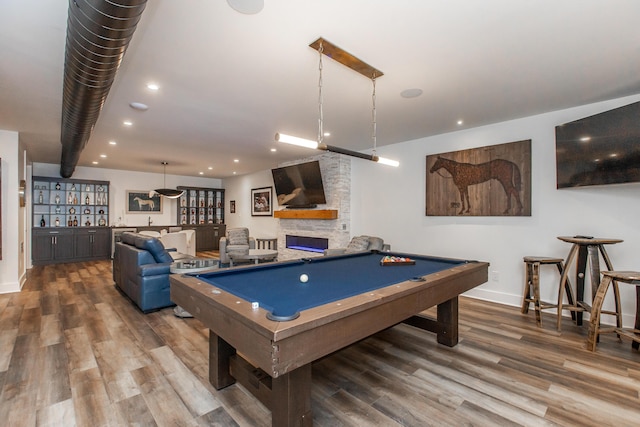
[[73, 187], [57, 222], [57, 185], [75, 199], [40, 198], [86, 200], [57, 199], [70, 222], [75, 221], [70, 198], [87, 188], [102, 222], [42, 223]]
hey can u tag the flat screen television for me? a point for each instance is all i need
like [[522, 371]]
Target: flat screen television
[[600, 149], [299, 186]]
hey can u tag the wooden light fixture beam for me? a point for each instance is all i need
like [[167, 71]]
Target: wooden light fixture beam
[[345, 58]]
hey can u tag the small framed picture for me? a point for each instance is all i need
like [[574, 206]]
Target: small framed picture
[[140, 202], [261, 201], [232, 206]]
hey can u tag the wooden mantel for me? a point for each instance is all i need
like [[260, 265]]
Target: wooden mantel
[[306, 214]]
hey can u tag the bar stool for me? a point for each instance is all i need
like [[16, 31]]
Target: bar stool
[[532, 285], [608, 277]]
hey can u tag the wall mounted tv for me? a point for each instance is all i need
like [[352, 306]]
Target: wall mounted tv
[[299, 186], [600, 149]]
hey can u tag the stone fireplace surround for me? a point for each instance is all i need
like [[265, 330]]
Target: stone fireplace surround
[[336, 179]]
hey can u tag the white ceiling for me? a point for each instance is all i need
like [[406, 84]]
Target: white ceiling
[[230, 81]]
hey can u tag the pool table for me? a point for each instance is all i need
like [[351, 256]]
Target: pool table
[[345, 299]]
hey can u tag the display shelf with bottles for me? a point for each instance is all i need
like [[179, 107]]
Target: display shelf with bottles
[[59, 202], [199, 206]]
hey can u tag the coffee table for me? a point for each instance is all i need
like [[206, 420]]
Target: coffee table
[[193, 265], [255, 255], [190, 266]]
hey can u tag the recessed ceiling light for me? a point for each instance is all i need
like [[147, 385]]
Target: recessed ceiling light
[[460, 122], [139, 106], [104, 156], [248, 7], [94, 162], [152, 86], [234, 172], [127, 123], [327, 134], [585, 138], [113, 143], [411, 93], [273, 150], [236, 161], [210, 168], [201, 173]]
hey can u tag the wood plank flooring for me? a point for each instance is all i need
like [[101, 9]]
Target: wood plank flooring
[[75, 352]]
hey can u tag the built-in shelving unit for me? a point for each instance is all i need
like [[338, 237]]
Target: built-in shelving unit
[[70, 220], [199, 206], [61, 202]]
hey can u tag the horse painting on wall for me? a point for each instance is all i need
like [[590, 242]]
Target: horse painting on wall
[[140, 202], [486, 181]]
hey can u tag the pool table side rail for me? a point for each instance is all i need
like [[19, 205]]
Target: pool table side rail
[[280, 347], [313, 317]]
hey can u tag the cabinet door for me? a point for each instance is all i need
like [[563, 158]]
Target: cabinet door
[[92, 244], [42, 247], [83, 244], [102, 244], [63, 246]]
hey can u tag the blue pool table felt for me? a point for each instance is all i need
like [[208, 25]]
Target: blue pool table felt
[[278, 289]]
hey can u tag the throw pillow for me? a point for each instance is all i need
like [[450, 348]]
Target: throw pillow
[[358, 244], [238, 236], [376, 243]]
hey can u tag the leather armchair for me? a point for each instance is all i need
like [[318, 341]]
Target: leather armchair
[[237, 240], [360, 244]]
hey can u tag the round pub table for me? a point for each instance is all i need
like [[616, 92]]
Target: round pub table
[[586, 250]]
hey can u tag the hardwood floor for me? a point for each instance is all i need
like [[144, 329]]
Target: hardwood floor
[[74, 351]]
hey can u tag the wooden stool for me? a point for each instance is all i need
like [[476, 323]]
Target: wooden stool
[[608, 277], [532, 285]]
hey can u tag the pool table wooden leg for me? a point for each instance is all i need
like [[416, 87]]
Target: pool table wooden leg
[[291, 403], [220, 353], [448, 322]]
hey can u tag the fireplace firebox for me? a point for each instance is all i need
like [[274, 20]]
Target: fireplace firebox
[[309, 244]]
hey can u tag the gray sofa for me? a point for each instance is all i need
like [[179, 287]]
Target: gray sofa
[[141, 271], [360, 244]]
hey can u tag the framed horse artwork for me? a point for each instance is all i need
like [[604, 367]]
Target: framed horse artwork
[[488, 181], [140, 202]]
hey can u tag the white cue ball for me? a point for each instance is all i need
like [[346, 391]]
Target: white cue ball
[[304, 278]]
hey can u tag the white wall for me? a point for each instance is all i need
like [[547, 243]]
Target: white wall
[[11, 266], [390, 202], [121, 181], [238, 188]]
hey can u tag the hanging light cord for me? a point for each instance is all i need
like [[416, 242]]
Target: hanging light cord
[[373, 114], [320, 116]]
